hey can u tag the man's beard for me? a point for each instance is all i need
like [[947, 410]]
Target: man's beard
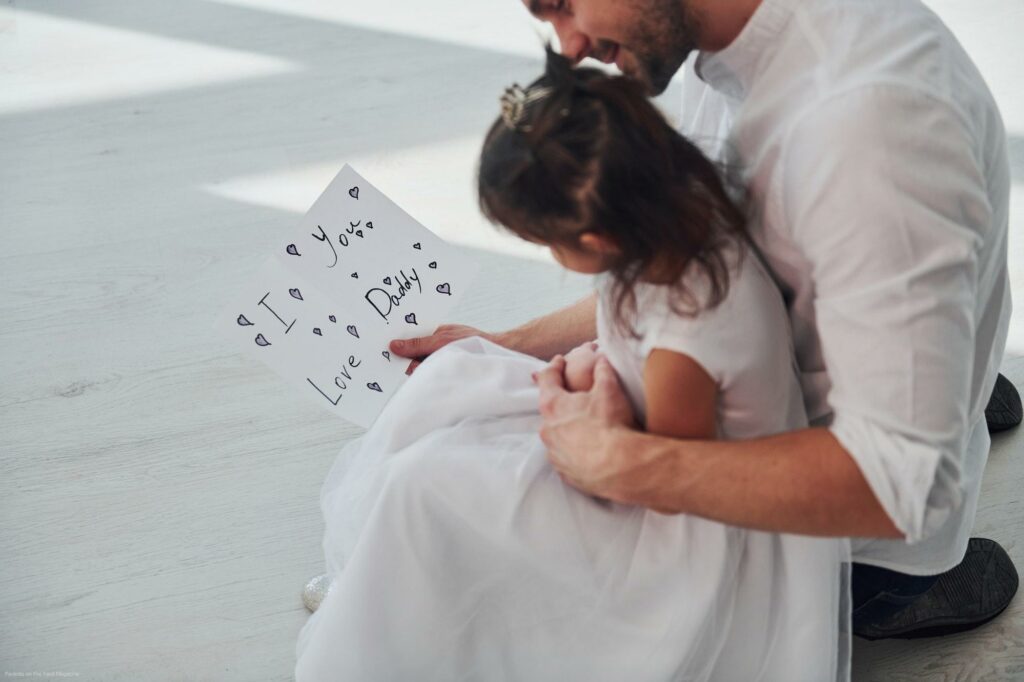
[[668, 33]]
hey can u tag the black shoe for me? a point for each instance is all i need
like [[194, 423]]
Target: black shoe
[[1004, 410], [964, 597]]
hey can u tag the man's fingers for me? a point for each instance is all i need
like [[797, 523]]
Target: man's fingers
[[417, 347], [551, 382], [604, 374], [552, 376], [412, 366], [551, 435], [610, 398], [422, 346]]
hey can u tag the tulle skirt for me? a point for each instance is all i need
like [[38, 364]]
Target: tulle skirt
[[457, 553]]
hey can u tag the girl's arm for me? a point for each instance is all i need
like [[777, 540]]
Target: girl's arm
[[681, 397]]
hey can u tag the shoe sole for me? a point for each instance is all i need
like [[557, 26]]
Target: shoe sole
[[983, 585]]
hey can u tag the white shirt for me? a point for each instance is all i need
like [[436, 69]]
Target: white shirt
[[875, 158], [744, 344]]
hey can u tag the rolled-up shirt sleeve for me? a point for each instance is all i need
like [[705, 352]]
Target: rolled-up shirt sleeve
[[884, 195]]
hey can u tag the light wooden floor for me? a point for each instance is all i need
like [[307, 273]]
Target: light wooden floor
[[159, 492]]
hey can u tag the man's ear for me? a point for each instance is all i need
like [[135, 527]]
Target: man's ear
[[594, 241]]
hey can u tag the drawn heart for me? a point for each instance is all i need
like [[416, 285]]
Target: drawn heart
[[432, 265], [359, 233], [374, 386], [355, 275], [295, 293], [444, 289], [316, 330], [292, 250], [351, 329], [416, 246], [387, 355], [354, 192], [243, 321], [260, 341], [387, 280], [411, 318], [332, 318], [369, 224]]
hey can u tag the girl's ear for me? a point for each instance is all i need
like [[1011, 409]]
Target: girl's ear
[[593, 241]]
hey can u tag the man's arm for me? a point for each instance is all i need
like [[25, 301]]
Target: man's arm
[[891, 214], [884, 188], [774, 483], [798, 482], [544, 337]]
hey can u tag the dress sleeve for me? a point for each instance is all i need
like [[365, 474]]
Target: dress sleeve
[[882, 190], [715, 337]]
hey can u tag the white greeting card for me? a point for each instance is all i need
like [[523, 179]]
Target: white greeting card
[[355, 274]]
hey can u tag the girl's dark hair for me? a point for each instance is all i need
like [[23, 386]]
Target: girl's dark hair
[[596, 155]]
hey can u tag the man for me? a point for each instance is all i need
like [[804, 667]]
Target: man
[[875, 161]]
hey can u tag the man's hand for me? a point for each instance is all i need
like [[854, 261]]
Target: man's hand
[[579, 429], [542, 338], [419, 348], [800, 482]]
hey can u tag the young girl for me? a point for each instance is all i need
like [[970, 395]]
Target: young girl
[[453, 549], [586, 165]]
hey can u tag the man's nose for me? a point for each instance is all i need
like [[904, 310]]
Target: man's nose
[[575, 45]]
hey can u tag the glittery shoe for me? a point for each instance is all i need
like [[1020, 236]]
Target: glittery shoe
[[315, 591]]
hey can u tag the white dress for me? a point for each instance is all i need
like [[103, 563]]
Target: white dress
[[457, 553]]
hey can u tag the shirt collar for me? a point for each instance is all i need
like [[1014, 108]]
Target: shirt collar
[[732, 70]]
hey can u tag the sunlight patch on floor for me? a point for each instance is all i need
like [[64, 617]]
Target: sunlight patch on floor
[[49, 62], [455, 22], [410, 178]]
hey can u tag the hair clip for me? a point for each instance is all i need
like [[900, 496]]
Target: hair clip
[[514, 101]]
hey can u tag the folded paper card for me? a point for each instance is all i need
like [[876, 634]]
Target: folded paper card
[[356, 273]]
